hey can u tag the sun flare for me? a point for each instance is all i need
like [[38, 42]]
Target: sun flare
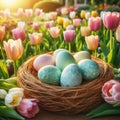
[[9, 2]]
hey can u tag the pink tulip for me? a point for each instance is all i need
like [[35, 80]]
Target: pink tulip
[[49, 24], [54, 32], [29, 12], [118, 34], [35, 26], [28, 108], [69, 35], [35, 38], [76, 22], [38, 11], [20, 12], [92, 42], [7, 13], [111, 19], [19, 33], [13, 49], [94, 23], [111, 91], [2, 32]]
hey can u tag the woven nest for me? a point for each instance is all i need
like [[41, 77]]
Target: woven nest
[[64, 100]]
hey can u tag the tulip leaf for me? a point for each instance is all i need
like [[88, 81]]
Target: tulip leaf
[[117, 104], [99, 109], [3, 70], [104, 49], [8, 112], [114, 111]]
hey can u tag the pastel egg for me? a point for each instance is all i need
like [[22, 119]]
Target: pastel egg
[[43, 60], [82, 55], [56, 52], [89, 68], [71, 76], [49, 74], [63, 59]]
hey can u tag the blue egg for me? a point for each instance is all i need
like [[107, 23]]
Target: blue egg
[[56, 52], [49, 74], [71, 76], [63, 59], [89, 68]]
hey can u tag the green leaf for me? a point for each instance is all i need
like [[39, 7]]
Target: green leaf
[[8, 112], [115, 111], [3, 70], [100, 108], [117, 104]]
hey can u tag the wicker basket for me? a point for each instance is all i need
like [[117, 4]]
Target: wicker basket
[[64, 100]]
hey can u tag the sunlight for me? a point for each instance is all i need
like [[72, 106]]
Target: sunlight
[[9, 2]]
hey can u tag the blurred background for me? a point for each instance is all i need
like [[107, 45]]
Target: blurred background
[[43, 4]]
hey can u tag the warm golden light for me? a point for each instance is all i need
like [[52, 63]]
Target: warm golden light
[[9, 1]]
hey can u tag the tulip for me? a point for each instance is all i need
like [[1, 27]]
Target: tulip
[[94, 23], [118, 34], [14, 50], [35, 26], [72, 15], [29, 12], [20, 12], [49, 24], [111, 92], [38, 11], [54, 32], [64, 11], [60, 20], [28, 108], [70, 27], [2, 32], [19, 33], [7, 13], [111, 20], [21, 24], [82, 14], [85, 31], [14, 97], [35, 38], [66, 22], [69, 36], [92, 42], [87, 15], [76, 22], [53, 15], [94, 13], [3, 93]]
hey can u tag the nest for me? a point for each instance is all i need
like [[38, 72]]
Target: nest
[[64, 100]]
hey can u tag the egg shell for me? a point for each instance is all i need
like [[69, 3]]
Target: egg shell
[[56, 52], [82, 55], [49, 74], [63, 59], [89, 68], [71, 76], [43, 60]]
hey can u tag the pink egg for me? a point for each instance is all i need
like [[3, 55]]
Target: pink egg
[[43, 60]]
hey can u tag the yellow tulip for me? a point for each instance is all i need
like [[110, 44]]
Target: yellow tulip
[[66, 23], [82, 14], [60, 20], [94, 13]]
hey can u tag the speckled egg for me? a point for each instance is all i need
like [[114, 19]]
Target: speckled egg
[[71, 76], [43, 60], [63, 59], [49, 74], [56, 52], [82, 55], [89, 68]]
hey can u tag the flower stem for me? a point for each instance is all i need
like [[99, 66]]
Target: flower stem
[[2, 51], [69, 46], [111, 40], [15, 69]]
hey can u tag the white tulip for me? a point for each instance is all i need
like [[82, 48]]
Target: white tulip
[[72, 15], [3, 93], [14, 97]]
